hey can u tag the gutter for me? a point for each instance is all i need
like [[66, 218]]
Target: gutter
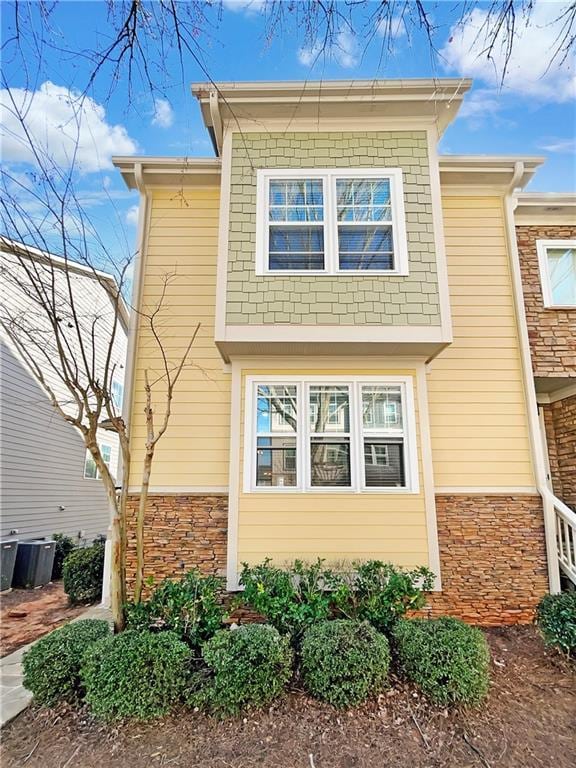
[[510, 202]]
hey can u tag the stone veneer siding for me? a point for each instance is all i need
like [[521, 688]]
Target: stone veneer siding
[[332, 300], [552, 332], [560, 421], [491, 548]]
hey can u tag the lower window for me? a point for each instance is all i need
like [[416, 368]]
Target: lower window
[[310, 435]]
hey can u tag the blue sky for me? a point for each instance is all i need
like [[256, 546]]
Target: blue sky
[[533, 113]]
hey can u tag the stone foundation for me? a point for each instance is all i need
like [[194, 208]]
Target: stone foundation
[[560, 420], [491, 550]]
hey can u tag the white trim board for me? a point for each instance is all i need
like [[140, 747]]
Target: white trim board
[[545, 398], [497, 490], [184, 490]]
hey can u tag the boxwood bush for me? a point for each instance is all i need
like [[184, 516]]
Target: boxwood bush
[[246, 667], [64, 545], [191, 607], [344, 661], [52, 665], [556, 619], [448, 659], [83, 571], [135, 674]]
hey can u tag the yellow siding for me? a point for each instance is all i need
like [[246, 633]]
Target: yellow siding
[[182, 244], [478, 415], [336, 526]]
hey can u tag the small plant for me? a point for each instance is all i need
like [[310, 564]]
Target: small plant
[[191, 607], [445, 657], [135, 674], [52, 665], [344, 661], [83, 571], [290, 600], [381, 593], [64, 545], [246, 667], [556, 619]]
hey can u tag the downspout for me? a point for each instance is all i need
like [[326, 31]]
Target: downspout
[[133, 325], [538, 458]]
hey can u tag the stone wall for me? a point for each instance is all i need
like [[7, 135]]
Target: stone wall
[[560, 420], [552, 332], [325, 299], [493, 558], [491, 549]]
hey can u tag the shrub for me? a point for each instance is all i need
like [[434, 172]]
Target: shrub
[[191, 607], [52, 665], [247, 667], [64, 545], [344, 661], [382, 593], [445, 657], [135, 674], [290, 599], [83, 571], [556, 619]]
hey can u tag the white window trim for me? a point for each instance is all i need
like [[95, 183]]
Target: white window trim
[[542, 247], [328, 177], [303, 384]]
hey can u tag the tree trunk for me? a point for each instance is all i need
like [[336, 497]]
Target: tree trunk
[[149, 455]]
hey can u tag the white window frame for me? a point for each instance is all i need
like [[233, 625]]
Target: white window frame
[[89, 456], [542, 247], [329, 177], [303, 471]]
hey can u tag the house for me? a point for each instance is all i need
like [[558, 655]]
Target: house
[[361, 385], [49, 482]]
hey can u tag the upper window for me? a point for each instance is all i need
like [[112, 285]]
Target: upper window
[[327, 434], [330, 221], [557, 260], [117, 395], [91, 471]]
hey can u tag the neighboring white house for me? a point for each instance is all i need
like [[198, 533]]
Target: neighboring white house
[[48, 482]]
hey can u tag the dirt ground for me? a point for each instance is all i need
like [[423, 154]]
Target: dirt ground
[[27, 614], [529, 720]]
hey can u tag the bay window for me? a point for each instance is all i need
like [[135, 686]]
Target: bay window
[[326, 434]]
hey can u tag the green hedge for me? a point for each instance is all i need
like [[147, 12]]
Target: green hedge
[[246, 667], [64, 545], [343, 662], [135, 674], [448, 659], [191, 608], [556, 619], [52, 665], [83, 571]]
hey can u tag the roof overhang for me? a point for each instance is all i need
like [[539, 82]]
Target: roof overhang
[[149, 172], [434, 100], [546, 208], [473, 171]]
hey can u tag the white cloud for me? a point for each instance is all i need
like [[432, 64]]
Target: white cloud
[[163, 114], [248, 6], [344, 51], [529, 71], [68, 128], [394, 27], [132, 215], [560, 146], [481, 103]]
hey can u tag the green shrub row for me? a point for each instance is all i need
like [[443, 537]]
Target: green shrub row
[[556, 619], [83, 571], [64, 545]]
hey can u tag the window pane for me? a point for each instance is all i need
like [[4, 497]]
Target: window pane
[[363, 200], [276, 461], [562, 271], [276, 408], [296, 247], [106, 452], [365, 247], [296, 200], [381, 407], [90, 470], [330, 462], [329, 409], [384, 463]]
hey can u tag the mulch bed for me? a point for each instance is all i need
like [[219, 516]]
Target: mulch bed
[[528, 721], [27, 614]]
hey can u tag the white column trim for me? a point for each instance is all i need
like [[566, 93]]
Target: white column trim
[[234, 479]]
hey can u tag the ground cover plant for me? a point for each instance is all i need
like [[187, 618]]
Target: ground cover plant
[[448, 659], [343, 661], [191, 607], [246, 667], [556, 619], [82, 573], [52, 665], [135, 674]]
